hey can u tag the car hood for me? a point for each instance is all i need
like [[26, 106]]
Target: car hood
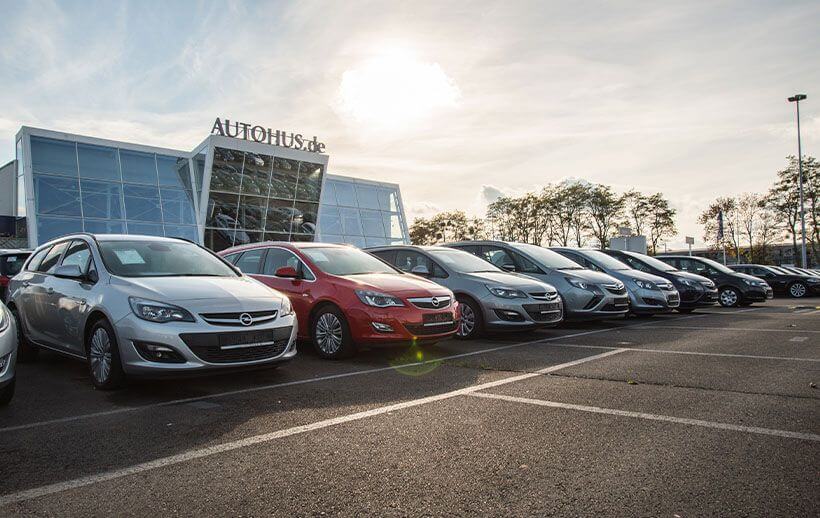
[[639, 275], [214, 294], [511, 280], [749, 277], [691, 276], [590, 276], [395, 284]]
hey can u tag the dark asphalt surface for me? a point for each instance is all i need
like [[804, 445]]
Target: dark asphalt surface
[[459, 455]]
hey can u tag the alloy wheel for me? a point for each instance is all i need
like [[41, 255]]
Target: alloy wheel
[[728, 297], [797, 290], [329, 334], [100, 355], [467, 324]]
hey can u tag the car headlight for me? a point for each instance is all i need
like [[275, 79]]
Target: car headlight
[[709, 284], [578, 283], [287, 307], [687, 282], [813, 280], [750, 282], [159, 312], [379, 300], [506, 293], [5, 318], [647, 285]]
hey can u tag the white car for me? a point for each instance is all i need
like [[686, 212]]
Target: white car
[[8, 355]]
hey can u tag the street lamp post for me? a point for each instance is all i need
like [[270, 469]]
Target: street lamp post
[[796, 100]]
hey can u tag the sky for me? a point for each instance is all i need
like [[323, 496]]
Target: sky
[[459, 102]]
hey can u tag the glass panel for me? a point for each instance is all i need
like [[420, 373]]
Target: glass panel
[[331, 220], [53, 156], [256, 174], [218, 238], [345, 193], [21, 196], [388, 200], [178, 206], [52, 257], [355, 241], [141, 204], [173, 172], [185, 232], [251, 261], [351, 222], [283, 179], [310, 182], [138, 167], [252, 212], [392, 223], [330, 238], [77, 254], [301, 237], [98, 162], [104, 226], [226, 172], [49, 228], [276, 236], [375, 241], [55, 195], [280, 216], [372, 223], [145, 229], [101, 199], [199, 172], [305, 217], [222, 210], [368, 196]]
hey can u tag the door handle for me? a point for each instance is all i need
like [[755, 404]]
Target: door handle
[[50, 291]]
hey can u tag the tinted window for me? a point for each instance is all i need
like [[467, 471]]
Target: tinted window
[[35, 261], [78, 253], [250, 262], [231, 258], [547, 257], [52, 257], [12, 264], [161, 259], [279, 258]]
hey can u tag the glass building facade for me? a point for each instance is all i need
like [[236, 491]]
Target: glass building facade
[[226, 192]]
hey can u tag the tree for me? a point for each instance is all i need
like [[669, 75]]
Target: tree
[[748, 212], [444, 227], [605, 208], [660, 220], [784, 199], [709, 219], [637, 209]]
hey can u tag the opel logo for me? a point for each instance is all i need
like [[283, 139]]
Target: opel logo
[[434, 301], [245, 319]]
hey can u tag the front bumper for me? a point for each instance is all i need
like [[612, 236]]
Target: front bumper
[[198, 344], [8, 349], [407, 324], [758, 294], [589, 304], [645, 301], [512, 314], [697, 297]]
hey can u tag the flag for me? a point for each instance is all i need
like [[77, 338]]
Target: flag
[[720, 226]]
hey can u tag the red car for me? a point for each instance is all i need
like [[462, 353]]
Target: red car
[[344, 297]]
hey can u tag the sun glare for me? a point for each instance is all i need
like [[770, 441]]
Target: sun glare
[[395, 90]]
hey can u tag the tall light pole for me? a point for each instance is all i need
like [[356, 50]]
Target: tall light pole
[[796, 100]]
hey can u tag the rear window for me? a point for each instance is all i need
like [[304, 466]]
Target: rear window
[[10, 265]]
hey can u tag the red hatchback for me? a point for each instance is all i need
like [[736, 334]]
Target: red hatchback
[[344, 297]]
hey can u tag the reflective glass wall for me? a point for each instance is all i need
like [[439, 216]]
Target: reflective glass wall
[[361, 213], [255, 197], [83, 187]]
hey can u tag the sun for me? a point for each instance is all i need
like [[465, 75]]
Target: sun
[[395, 89]]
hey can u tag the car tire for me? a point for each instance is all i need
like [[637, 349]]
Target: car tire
[[331, 335], [103, 357], [798, 290], [6, 393], [471, 324], [26, 351], [729, 297]]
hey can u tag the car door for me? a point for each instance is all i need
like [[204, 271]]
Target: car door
[[38, 309], [250, 261], [498, 256], [774, 280], [408, 260], [69, 300], [300, 291]]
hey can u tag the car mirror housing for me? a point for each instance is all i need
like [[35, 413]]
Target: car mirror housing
[[69, 271], [420, 270], [287, 272]]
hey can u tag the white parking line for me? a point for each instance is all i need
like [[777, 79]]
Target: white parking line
[[707, 328], [653, 417], [272, 386], [693, 353], [799, 339], [267, 437]]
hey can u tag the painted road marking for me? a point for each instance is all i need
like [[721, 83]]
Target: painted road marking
[[653, 417], [799, 339], [693, 353], [707, 328], [267, 437]]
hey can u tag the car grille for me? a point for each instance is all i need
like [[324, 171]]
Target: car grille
[[433, 324], [619, 304], [544, 295], [238, 347], [617, 289], [439, 302], [544, 312], [235, 319], [672, 297]]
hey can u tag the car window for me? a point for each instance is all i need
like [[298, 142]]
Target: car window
[[406, 260], [78, 253], [279, 258], [251, 261], [35, 261], [12, 264], [498, 256], [231, 258], [52, 257], [524, 265], [692, 266], [636, 264]]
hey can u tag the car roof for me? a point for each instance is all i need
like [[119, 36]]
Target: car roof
[[426, 248], [298, 245], [11, 251]]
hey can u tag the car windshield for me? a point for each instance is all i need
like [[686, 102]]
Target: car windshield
[[344, 260], [12, 264], [464, 262], [654, 263], [717, 266], [547, 257], [606, 261], [161, 259]]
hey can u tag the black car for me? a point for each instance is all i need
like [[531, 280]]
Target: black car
[[695, 291], [734, 288], [781, 280], [11, 261]]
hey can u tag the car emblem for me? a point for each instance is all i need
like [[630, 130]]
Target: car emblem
[[245, 319], [434, 301]]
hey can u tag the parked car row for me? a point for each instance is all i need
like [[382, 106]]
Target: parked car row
[[140, 306]]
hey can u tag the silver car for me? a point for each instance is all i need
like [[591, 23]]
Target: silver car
[[146, 306], [586, 294], [489, 297], [8, 355], [648, 294]]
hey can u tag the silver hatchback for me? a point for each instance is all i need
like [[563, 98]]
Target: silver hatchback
[[489, 297], [146, 306]]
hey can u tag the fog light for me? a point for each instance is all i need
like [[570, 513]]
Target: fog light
[[509, 315], [159, 353], [3, 361], [382, 328]]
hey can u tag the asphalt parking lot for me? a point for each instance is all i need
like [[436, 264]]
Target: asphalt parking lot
[[713, 413]]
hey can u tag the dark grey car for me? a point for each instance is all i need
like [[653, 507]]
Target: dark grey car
[[489, 297]]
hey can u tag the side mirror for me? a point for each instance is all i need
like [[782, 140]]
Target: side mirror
[[287, 272], [508, 267], [420, 270], [69, 271]]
